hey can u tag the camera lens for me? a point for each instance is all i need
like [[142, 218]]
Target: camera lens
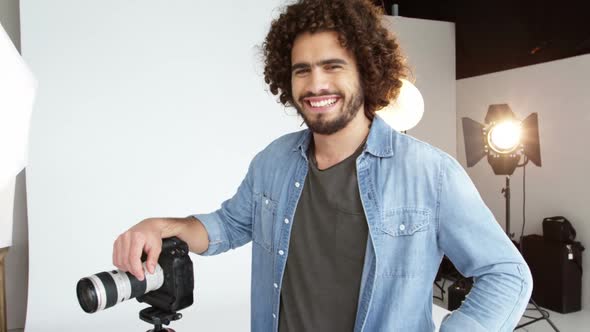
[[105, 289], [87, 295]]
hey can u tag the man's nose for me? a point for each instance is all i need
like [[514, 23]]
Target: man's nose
[[318, 82]]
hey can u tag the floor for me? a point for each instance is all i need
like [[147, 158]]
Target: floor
[[572, 322]]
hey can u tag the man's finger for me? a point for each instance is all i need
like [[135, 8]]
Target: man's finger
[[135, 251], [152, 259], [116, 253], [124, 251]]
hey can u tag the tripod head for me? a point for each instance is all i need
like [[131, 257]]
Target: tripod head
[[158, 318]]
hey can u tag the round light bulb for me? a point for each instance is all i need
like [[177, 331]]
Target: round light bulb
[[505, 137], [406, 110]]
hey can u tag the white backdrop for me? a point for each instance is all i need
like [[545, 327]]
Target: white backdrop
[[430, 50], [152, 108], [145, 108]]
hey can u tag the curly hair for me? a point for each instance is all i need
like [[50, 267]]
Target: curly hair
[[358, 25]]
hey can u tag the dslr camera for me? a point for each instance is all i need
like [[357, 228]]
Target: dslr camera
[[167, 290]]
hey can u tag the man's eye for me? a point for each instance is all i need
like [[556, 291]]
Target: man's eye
[[332, 67], [301, 71]]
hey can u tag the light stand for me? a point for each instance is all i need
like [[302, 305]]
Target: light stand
[[504, 140], [544, 314], [506, 192]]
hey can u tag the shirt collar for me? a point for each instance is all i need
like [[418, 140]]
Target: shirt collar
[[303, 143], [379, 142]]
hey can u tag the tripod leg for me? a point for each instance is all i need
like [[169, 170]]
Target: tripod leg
[[546, 317]]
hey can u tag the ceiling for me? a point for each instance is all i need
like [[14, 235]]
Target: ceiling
[[499, 35]]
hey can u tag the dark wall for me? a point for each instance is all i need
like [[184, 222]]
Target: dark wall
[[499, 35]]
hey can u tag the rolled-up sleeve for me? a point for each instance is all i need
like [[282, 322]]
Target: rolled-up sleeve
[[231, 226], [478, 247]]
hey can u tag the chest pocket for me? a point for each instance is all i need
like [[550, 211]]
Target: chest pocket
[[403, 239], [263, 221]]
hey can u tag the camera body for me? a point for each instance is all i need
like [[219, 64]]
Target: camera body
[[176, 292]]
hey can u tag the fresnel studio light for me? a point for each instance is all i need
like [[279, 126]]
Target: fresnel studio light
[[505, 141], [503, 138]]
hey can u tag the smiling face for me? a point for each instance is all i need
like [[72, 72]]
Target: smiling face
[[325, 82]]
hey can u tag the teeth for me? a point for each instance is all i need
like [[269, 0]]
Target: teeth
[[323, 103]]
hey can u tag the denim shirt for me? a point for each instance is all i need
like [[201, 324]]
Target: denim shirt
[[419, 204]]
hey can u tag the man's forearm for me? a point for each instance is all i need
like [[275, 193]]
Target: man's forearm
[[496, 301], [189, 229]]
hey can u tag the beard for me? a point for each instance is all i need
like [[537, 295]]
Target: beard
[[318, 123]]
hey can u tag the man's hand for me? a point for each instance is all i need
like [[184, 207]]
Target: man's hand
[[146, 237]]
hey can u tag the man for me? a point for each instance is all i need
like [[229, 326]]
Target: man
[[349, 219]]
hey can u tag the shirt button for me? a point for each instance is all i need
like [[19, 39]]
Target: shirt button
[[274, 316], [286, 221], [276, 286], [402, 227], [281, 252], [266, 202], [297, 184]]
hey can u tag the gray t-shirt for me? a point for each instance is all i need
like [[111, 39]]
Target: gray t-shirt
[[326, 252]]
